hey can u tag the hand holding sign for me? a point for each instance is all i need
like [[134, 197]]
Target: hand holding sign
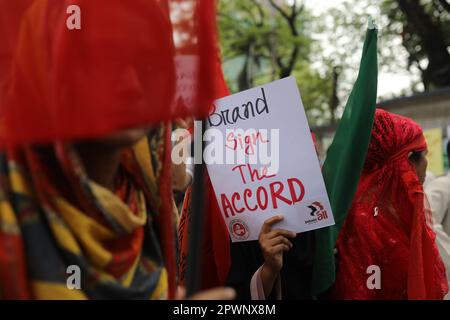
[[274, 243]]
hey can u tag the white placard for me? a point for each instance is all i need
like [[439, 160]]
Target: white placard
[[279, 172]]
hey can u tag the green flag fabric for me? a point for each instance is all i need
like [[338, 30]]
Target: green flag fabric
[[345, 160]]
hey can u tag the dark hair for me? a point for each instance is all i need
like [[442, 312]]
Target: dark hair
[[415, 156]]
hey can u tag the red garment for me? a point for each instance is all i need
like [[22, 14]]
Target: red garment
[[132, 64], [216, 242], [388, 224], [9, 27]]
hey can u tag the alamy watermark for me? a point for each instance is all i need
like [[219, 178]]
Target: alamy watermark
[[73, 21], [73, 281], [374, 280], [234, 146]]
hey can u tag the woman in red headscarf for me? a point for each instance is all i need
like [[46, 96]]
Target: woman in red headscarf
[[86, 208], [386, 248]]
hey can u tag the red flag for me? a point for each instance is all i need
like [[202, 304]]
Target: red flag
[[216, 242], [84, 69]]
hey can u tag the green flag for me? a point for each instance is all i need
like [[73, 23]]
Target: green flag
[[345, 160]]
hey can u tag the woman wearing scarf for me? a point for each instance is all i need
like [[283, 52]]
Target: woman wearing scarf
[[85, 180], [388, 227]]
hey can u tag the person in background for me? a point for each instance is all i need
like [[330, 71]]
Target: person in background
[[438, 194], [388, 229], [429, 177]]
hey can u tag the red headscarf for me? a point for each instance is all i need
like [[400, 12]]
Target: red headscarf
[[132, 64], [388, 225]]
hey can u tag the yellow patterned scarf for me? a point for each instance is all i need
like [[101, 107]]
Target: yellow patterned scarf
[[62, 236]]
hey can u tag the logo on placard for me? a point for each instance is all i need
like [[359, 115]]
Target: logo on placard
[[317, 213], [239, 229]]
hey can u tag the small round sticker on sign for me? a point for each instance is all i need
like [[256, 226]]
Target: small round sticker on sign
[[239, 230]]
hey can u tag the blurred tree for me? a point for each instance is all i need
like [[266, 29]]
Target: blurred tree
[[416, 46], [264, 40], [425, 30], [317, 93], [340, 33]]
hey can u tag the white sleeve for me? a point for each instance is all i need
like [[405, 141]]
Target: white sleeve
[[438, 194], [257, 289]]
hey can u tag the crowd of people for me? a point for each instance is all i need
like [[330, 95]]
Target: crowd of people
[[86, 177]]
